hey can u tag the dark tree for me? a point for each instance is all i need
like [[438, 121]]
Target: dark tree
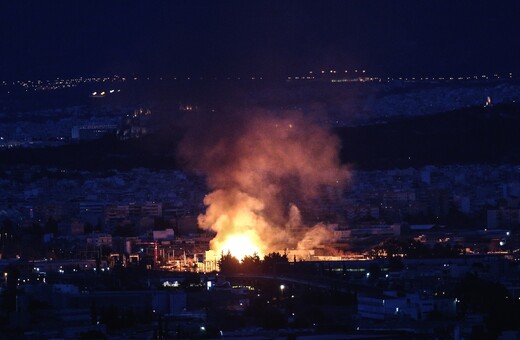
[[251, 264], [274, 262], [229, 264]]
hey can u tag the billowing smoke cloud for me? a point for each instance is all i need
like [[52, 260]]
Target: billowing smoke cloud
[[315, 236], [260, 166]]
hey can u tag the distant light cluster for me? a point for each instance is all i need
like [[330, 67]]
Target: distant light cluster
[[494, 76], [64, 83], [200, 78], [327, 74], [60, 83], [346, 76]]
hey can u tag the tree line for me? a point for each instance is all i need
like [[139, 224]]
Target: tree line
[[229, 264], [412, 248]]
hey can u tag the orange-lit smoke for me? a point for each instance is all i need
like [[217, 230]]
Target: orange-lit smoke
[[259, 167]]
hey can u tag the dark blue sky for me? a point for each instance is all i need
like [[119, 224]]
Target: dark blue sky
[[413, 37]]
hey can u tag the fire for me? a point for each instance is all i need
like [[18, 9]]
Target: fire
[[260, 166], [241, 245], [237, 219]]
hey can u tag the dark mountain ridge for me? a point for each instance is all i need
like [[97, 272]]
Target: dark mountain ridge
[[471, 135]]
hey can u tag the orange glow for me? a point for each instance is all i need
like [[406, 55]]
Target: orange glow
[[237, 219], [241, 245]]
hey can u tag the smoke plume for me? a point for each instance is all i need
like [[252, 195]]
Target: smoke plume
[[260, 166]]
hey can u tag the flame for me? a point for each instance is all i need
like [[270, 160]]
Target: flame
[[259, 167], [237, 219], [241, 245]]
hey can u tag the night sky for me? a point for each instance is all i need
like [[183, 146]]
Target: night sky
[[73, 38]]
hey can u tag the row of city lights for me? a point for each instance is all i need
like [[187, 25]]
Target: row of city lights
[[60, 83], [357, 76]]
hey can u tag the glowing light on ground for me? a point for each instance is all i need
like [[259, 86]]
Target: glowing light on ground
[[241, 245]]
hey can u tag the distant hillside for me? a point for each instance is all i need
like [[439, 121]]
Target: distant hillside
[[472, 135], [152, 151]]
